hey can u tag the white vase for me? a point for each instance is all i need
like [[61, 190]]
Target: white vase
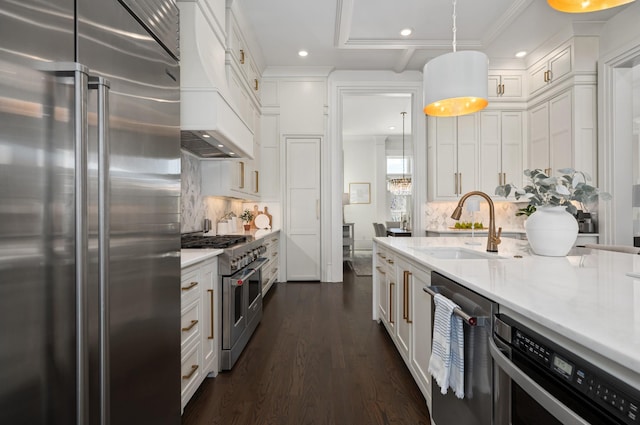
[[551, 231]]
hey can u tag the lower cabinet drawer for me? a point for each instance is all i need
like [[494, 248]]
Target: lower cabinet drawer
[[189, 324], [190, 373]]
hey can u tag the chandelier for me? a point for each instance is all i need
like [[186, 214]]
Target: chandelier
[[400, 186]]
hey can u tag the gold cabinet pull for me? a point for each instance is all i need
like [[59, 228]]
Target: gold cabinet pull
[[406, 296], [390, 261], [255, 84], [191, 286], [241, 175], [242, 56], [459, 183], [257, 181], [380, 270], [455, 178], [210, 291], [391, 285], [190, 374], [381, 256], [547, 171], [188, 328]]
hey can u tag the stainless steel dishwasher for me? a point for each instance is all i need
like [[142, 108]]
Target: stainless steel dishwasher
[[476, 311]]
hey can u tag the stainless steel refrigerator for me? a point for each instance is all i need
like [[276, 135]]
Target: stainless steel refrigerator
[[89, 212]]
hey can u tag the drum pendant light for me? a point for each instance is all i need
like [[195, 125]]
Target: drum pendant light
[[583, 6], [456, 83]]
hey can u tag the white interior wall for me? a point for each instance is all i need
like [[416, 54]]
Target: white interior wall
[[360, 167]]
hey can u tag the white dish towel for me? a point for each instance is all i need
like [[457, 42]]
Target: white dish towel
[[446, 364]]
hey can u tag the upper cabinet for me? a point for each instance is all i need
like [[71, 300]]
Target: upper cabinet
[[562, 121], [242, 71], [506, 85], [550, 69], [501, 146], [452, 151]]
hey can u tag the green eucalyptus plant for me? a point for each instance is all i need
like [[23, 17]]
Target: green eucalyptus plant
[[543, 190]]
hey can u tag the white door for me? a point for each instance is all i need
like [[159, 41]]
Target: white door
[[303, 209]]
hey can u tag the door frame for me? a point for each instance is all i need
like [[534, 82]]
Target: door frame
[[343, 83]]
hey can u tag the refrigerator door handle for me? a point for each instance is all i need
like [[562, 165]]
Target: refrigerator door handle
[[102, 86]]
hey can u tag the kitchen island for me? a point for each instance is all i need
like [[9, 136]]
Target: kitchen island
[[585, 300]]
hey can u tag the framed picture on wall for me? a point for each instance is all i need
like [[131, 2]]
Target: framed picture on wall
[[359, 193]]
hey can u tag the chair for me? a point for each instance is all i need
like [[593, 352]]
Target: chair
[[380, 230], [393, 224], [616, 248]]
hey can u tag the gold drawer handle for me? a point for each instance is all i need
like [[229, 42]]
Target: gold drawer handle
[[191, 286], [380, 270], [210, 291], [390, 261], [190, 374], [188, 328]]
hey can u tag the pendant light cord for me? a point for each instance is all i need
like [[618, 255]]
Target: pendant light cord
[[403, 115], [454, 29]]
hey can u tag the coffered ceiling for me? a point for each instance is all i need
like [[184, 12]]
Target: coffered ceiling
[[365, 35]]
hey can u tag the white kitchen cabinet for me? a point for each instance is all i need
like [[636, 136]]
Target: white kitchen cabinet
[[199, 326], [550, 69], [271, 267], [240, 62], [385, 273], [506, 85], [230, 178], [501, 149], [420, 313], [403, 304], [562, 131], [405, 310], [453, 149]]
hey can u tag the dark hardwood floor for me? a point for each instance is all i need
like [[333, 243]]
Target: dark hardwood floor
[[316, 358]]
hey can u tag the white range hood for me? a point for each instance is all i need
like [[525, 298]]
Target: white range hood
[[208, 117]]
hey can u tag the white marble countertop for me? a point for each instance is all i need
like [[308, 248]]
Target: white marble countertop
[[586, 297], [189, 257]]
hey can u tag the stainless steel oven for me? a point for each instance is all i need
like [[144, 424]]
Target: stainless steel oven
[[240, 273], [540, 382], [241, 310]]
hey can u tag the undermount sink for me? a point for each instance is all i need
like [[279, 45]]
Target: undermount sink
[[456, 253]]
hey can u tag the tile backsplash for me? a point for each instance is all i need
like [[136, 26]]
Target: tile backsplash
[[195, 207], [438, 215]]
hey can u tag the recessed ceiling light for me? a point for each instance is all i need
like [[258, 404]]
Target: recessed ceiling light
[[392, 128], [221, 146], [303, 53], [231, 153], [521, 54], [206, 136], [406, 32]]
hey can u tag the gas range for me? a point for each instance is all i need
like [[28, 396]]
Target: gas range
[[239, 251], [199, 241]]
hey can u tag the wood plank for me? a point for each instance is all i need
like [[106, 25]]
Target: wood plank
[[316, 358]]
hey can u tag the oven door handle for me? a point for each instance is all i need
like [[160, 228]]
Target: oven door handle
[[539, 394], [239, 278]]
